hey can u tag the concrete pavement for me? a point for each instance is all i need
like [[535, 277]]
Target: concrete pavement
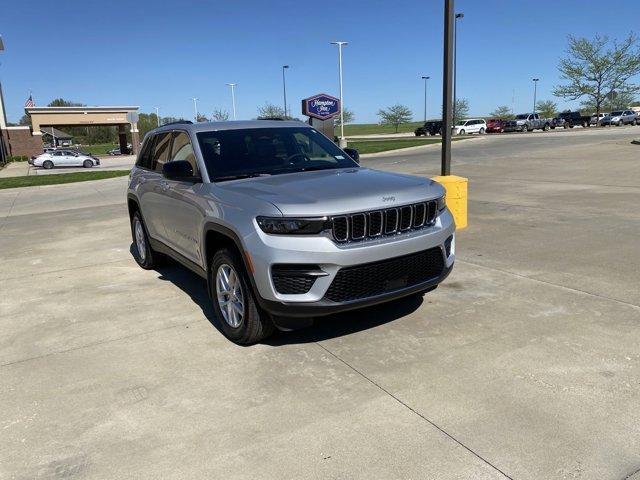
[[524, 364]]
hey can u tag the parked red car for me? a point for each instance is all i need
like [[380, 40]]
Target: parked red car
[[495, 125]]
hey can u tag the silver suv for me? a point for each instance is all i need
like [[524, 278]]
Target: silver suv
[[282, 224]]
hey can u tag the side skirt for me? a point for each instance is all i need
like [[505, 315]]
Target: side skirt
[[160, 247]]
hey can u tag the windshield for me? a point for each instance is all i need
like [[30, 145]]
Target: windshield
[[241, 153], [522, 116], [461, 123], [615, 114]]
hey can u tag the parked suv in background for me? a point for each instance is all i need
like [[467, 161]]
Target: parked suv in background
[[470, 126], [596, 118], [570, 120], [495, 125], [283, 224], [620, 118], [432, 127]]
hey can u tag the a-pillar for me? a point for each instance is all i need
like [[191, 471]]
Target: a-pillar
[[135, 138]]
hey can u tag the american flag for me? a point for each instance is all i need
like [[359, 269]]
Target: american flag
[[29, 103]]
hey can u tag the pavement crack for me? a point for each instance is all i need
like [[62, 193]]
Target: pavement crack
[[575, 290], [628, 477], [6, 217], [415, 412]]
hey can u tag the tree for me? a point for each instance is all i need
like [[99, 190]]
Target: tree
[[460, 110], [395, 115], [348, 115], [201, 118], [61, 102], [503, 112], [220, 115], [596, 68], [270, 110], [547, 108], [165, 120], [25, 119]]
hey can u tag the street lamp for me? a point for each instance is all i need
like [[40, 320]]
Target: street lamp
[[158, 114], [284, 89], [195, 107], [455, 60], [3, 120], [425, 97], [535, 91], [233, 98], [343, 142]]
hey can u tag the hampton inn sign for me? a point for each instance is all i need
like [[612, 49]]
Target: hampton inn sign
[[321, 106]]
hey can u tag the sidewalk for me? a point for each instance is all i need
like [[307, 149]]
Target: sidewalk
[[15, 169]]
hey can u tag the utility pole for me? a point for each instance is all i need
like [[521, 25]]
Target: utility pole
[[535, 91], [284, 89], [195, 108], [425, 97], [233, 98], [447, 83], [455, 60], [158, 114], [343, 142]]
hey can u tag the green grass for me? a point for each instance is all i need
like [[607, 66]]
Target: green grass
[[38, 180], [375, 146], [372, 128]]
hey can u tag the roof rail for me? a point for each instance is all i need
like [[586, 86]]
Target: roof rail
[[271, 118], [176, 122]]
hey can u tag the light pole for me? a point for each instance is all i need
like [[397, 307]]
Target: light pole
[[3, 120], [195, 108], [425, 97], [343, 142], [158, 114], [455, 60], [535, 91], [284, 89], [233, 98]]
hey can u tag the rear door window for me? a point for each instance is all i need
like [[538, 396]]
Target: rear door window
[[144, 159], [161, 151]]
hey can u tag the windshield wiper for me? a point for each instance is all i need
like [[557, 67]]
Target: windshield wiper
[[240, 176]]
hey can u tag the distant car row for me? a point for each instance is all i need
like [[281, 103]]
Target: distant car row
[[526, 122]]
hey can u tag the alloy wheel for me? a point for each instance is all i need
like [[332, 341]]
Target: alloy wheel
[[141, 243], [230, 295]]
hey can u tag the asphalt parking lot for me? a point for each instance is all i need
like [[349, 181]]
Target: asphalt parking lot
[[524, 364]]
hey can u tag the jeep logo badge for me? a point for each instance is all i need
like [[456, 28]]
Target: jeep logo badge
[[389, 198]]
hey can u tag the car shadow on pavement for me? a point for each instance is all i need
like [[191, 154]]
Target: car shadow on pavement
[[324, 328]]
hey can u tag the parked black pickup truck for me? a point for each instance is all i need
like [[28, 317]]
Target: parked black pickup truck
[[571, 119], [432, 127]]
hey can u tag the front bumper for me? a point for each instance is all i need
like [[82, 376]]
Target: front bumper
[[268, 250]]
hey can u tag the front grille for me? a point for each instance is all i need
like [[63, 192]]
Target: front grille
[[289, 279], [362, 281], [361, 226]]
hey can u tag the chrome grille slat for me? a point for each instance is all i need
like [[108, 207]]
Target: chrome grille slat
[[391, 221]]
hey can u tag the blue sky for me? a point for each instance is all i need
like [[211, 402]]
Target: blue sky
[[163, 53]]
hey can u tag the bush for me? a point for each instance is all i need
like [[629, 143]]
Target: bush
[[17, 158]]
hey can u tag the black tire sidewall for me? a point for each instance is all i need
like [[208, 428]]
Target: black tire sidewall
[[149, 261], [87, 164], [255, 325], [47, 165]]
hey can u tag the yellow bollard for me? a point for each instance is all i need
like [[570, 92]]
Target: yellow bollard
[[456, 188]]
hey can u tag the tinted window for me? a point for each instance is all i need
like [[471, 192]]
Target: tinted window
[[58, 153], [144, 158], [269, 151], [615, 114], [183, 150], [161, 151]]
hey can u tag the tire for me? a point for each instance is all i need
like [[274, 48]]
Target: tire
[[545, 127], [620, 123], [462, 132], [87, 164], [481, 132], [47, 165], [242, 322], [566, 126], [525, 129], [635, 122], [144, 255]]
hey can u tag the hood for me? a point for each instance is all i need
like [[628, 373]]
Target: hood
[[332, 192]]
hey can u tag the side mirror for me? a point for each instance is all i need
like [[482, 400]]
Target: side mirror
[[353, 153], [179, 170]]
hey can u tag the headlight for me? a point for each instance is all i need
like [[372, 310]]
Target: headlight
[[442, 203], [292, 226]]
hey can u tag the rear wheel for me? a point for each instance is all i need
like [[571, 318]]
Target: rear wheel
[[635, 122], [241, 321], [620, 123], [481, 131], [87, 164], [545, 127], [525, 129], [462, 132], [48, 165]]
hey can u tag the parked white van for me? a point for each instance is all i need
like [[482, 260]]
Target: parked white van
[[473, 125]]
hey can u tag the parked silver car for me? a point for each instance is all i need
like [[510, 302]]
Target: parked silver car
[[64, 158], [283, 224], [620, 118]]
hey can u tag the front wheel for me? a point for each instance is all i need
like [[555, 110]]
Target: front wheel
[[525, 129], [47, 165], [462, 132], [87, 164], [635, 122], [620, 123], [241, 321]]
